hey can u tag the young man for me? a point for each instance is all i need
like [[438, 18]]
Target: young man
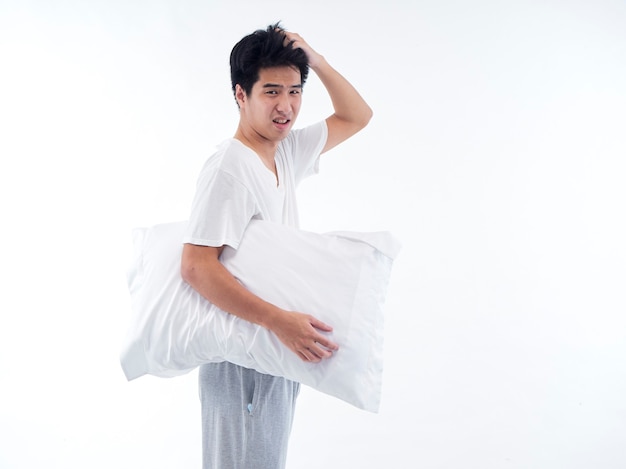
[[247, 416]]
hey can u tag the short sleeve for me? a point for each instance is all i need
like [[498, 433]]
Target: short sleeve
[[221, 210], [302, 150]]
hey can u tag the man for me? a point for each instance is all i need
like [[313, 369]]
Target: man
[[247, 416]]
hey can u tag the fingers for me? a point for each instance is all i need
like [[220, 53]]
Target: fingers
[[322, 326], [315, 353], [286, 34], [304, 335], [296, 42], [321, 347], [291, 38], [294, 39], [322, 339]]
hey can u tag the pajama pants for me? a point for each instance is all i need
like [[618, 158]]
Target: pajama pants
[[246, 417]]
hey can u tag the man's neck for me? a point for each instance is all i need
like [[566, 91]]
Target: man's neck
[[265, 149]]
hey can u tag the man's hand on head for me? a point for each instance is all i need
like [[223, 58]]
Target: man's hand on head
[[297, 42]]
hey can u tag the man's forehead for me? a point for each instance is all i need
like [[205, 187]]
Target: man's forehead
[[280, 76]]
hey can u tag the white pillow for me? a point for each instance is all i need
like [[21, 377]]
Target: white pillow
[[341, 278]]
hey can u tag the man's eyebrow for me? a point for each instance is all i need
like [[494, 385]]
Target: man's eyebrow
[[275, 85]]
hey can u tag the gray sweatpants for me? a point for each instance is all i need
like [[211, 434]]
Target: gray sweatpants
[[246, 417]]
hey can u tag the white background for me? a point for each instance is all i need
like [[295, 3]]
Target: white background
[[496, 154]]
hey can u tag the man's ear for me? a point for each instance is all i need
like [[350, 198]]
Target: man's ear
[[240, 95]]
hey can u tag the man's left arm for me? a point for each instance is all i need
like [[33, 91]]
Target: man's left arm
[[351, 112]]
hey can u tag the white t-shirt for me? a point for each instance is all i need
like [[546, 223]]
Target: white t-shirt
[[235, 186]]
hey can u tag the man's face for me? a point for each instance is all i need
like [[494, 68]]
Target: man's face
[[271, 108]]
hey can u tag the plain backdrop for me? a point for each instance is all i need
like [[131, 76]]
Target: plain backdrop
[[496, 154]]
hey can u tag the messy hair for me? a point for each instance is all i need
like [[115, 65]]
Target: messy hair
[[264, 49]]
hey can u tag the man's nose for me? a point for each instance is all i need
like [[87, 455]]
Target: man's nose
[[284, 103]]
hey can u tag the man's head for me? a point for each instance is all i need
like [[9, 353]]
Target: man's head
[[264, 49]]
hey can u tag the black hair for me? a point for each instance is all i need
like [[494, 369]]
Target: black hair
[[264, 49]]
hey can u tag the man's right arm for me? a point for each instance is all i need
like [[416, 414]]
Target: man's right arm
[[202, 269]]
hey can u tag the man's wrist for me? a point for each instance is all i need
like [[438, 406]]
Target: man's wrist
[[271, 317], [318, 63]]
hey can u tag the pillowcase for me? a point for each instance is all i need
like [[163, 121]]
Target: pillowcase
[[341, 278]]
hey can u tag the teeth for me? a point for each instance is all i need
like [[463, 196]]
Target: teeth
[[281, 121]]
